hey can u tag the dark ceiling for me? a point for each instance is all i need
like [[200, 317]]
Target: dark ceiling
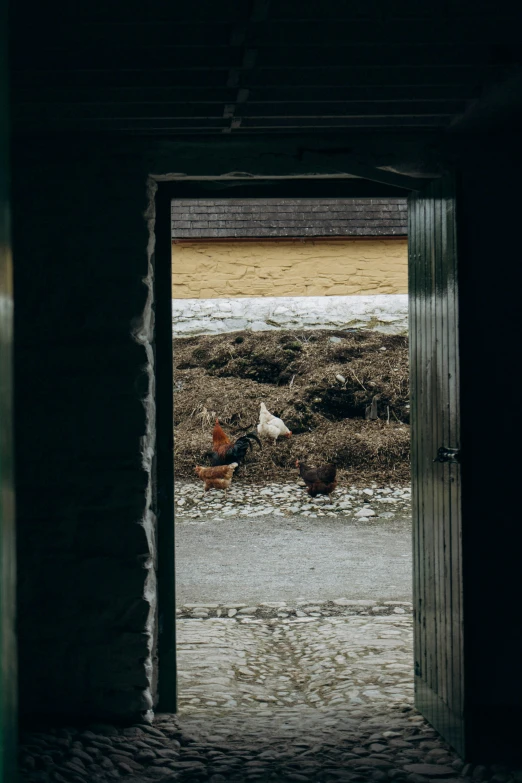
[[255, 66]]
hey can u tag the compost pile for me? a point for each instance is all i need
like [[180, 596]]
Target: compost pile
[[321, 383]]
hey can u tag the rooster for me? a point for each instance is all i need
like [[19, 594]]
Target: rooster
[[217, 478], [226, 451], [319, 481], [271, 426]]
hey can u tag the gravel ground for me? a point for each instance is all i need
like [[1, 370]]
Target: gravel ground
[[271, 544], [288, 499]]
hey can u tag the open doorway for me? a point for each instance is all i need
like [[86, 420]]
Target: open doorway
[[300, 305], [227, 692]]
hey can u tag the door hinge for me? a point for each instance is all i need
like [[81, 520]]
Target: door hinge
[[448, 455]]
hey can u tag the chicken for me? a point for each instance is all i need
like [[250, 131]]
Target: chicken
[[270, 426], [218, 477], [226, 451], [319, 481]]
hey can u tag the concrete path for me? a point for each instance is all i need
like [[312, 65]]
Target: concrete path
[[275, 558]]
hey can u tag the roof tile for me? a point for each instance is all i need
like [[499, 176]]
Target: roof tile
[[238, 218]]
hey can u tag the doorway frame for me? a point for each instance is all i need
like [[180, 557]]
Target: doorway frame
[[163, 467]]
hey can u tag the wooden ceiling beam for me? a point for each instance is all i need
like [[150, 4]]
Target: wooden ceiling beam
[[298, 79], [110, 110], [259, 96], [352, 109], [274, 40], [274, 58], [75, 123], [158, 29], [348, 122]]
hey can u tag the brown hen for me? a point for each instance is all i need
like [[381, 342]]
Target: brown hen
[[319, 481], [219, 477]]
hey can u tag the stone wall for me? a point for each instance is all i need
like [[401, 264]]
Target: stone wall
[[84, 440], [209, 270], [383, 313]]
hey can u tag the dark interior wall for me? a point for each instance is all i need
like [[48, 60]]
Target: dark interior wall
[[8, 654], [85, 524], [86, 598], [488, 220], [87, 602]]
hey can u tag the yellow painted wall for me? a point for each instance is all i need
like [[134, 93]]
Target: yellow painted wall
[[211, 270]]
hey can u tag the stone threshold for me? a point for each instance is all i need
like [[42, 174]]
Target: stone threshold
[[298, 611]]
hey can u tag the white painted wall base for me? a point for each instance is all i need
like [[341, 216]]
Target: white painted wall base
[[387, 313]]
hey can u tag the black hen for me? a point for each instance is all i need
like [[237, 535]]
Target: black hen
[[226, 451]]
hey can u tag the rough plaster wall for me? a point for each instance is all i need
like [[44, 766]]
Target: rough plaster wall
[[209, 270], [387, 313], [84, 436], [144, 335]]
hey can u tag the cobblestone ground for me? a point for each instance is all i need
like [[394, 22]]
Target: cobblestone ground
[[355, 653], [273, 693]]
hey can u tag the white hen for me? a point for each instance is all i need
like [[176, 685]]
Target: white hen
[[270, 426]]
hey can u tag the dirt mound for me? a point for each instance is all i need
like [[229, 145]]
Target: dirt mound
[[320, 383]]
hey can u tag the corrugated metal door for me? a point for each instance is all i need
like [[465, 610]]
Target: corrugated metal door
[[434, 361]]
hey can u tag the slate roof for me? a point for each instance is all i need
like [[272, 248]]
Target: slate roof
[[203, 218]]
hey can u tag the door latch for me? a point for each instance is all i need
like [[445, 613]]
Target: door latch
[[448, 455]]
